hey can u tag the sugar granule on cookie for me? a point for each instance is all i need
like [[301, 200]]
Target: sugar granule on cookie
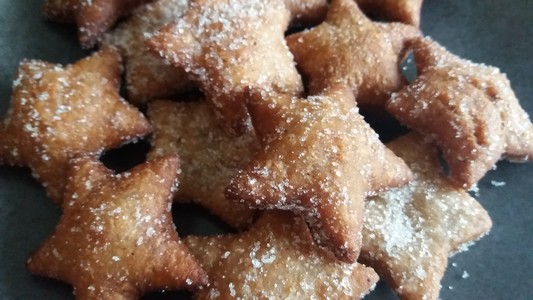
[[469, 108], [410, 231], [147, 75], [209, 156], [59, 110], [116, 238], [321, 159], [276, 258], [405, 11], [350, 49], [93, 17], [231, 47]]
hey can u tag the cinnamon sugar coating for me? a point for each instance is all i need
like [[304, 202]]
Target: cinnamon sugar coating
[[405, 11], [232, 47], [116, 238], [319, 158], [147, 75], [350, 49], [209, 156], [93, 17], [276, 258], [470, 109], [60, 110], [410, 231]]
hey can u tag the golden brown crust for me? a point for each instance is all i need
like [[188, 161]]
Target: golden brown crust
[[276, 258], [319, 158], [405, 11], [93, 17], [148, 76], [410, 231], [230, 47], [350, 49], [470, 109], [57, 111], [116, 239], [306, 12], [209, 156]]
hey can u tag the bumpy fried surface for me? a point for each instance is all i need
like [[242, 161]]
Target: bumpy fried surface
[[410, 231], [116, 239], [276, 258], [209, 156], [349, 48], [231, 47], [319, 158], [58, 110], [469, 108], [148, 76], [93, 17], [405, 11]]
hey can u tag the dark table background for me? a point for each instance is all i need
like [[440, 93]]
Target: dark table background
[[500, 266]]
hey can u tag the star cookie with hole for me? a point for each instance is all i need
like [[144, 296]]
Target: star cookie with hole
[[231, 47], [410, 231], [116, 238], [350, 49], [276, 258], [405, 11], [321, 159], [93, 17], [209, 156], [469, 108], [147, 75], [59, 110]]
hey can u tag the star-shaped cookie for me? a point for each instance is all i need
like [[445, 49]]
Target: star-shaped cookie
[[147, 75], [276, 258], [321, 159], [59, 110], [350, 49], [116, 238], [410, 231], [209, 156], [470, 109], [405, 11], [231, 47], [93, 17]]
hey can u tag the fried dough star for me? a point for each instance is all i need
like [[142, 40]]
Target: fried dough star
[[276, 258], [405, 11], [469, 108], [320, 159], [409, 232], [230, 47], [93, 17], [59, 110], [116, 239], [350, 49], [148, 76], [209, 156]]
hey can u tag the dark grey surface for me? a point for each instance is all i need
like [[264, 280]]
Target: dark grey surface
[[496, 32]]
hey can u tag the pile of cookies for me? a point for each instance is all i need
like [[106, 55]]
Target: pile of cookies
[[254, 110]]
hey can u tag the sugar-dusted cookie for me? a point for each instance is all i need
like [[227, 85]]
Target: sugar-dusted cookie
[[276, 258], [116, 238], [148, 76], [321, 159], [405, 11], [231, 47], [58, 110], [209, 156], [410, 231], [349, 48], [93, 17], [470, 109]]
